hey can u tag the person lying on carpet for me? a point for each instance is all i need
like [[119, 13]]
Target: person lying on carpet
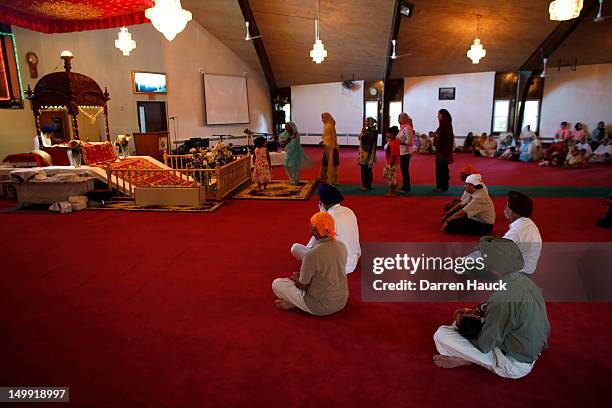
[[347, 230], [463, 174], [474, 217], [320, 287], [392, 155], [516, 328], [262, 165], [606, 221]]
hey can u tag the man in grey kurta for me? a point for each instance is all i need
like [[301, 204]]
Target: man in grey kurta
[[515, 329], [320, 288]]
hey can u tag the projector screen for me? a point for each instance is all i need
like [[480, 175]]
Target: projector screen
[[226, 99]]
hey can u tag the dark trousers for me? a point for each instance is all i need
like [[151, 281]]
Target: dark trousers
[[405, 168], [367, 176], [442, 174], [468, 226]]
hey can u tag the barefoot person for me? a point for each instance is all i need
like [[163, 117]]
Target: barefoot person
[[463, 174], [345, 221], [522, 230], [367, 152], [331, 154], [320, 287], [444, 142], [515, 329]]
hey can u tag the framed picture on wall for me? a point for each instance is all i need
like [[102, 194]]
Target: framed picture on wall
[[446, 94]]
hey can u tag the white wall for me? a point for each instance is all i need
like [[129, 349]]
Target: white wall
[[97, 57], [471, 110], [192, 52], [308, 102], [584, 95]]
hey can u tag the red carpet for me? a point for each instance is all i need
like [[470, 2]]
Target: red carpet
[[494, 171], [175, 310]]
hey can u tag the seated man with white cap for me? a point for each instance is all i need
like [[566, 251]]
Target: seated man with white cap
[[347, 230], [320, 287], [475, 216], [515, 329]]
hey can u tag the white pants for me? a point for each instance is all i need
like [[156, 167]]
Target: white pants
[[450, 343], [285, 289]]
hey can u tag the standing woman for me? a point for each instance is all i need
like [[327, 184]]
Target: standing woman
[[444, 149], [295, 157], [367, 152], [405, 138], [331, 153]]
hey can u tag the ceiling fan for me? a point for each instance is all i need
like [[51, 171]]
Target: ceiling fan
[[394, 55], [600, 17], [248, 37]]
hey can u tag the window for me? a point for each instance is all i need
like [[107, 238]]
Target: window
[[501, 113], [395, 108], [287, 110], [371, 109], [531, 115]]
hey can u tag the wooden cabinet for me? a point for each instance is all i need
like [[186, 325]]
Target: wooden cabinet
[[151, 144]]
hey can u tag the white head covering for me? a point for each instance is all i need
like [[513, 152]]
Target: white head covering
[[474, 179]]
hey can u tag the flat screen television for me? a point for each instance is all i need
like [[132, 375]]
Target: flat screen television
[[148, 82]]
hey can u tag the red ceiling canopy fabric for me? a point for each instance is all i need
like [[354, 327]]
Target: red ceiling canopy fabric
[[62, 16]]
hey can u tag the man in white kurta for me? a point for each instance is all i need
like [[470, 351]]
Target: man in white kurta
[[347, 230], [523, 231]]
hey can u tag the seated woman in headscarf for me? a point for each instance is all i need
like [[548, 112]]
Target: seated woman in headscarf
[[367, 152], [525, 154], [489, 147], [468, 144], [295, 157]]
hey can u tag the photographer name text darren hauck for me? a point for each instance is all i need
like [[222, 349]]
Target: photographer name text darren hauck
[[425, 285]]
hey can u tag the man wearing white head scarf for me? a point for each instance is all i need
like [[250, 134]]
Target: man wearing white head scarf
[[475, 216]]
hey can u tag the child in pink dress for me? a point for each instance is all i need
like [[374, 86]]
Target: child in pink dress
[[262, 170]]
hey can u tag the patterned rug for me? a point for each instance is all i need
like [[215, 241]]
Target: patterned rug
[[277, 190], [129, 205]]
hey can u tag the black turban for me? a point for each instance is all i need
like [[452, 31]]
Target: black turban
[[330, 195], [520, 203]]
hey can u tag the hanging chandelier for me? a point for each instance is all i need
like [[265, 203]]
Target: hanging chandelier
[[476, 51], [561, 10], [168, 17], [318, 52], [124, 41]]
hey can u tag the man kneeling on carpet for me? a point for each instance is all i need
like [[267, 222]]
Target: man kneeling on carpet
[[320, 287], [347, 230], [515, 329], [475, 216]]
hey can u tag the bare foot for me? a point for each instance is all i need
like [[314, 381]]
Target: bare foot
[[449, 361], [283, 304]]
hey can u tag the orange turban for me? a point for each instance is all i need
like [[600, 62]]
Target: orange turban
[[468, 169], [324, 223]]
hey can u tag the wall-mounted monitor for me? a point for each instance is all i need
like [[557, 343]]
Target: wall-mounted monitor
[[148, 82]]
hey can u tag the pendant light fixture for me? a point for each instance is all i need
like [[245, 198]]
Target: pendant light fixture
[[476, 51], [168, 17], [124, 41], [561, 10], [318, 52]]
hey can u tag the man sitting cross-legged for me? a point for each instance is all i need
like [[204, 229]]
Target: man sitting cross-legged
[[473, 216], [515, 329], [320, 286]]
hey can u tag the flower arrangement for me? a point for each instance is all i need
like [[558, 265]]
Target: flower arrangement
[[122, 140], [210, 158], [75, 146]]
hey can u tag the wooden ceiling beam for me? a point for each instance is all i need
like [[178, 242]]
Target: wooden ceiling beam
[[556, 38], [393, 33], [264, 61]]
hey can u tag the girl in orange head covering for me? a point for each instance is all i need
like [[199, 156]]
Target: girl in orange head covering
[[324, 225], [331, 154]]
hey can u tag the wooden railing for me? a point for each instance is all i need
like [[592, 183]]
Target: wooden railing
[[124, 181], [219, 181]]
